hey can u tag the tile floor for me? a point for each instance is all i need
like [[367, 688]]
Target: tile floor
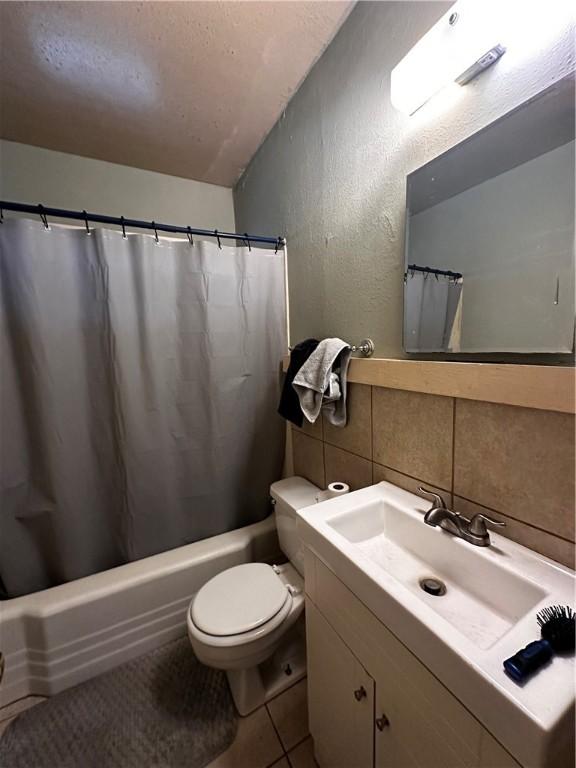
[[275, 736]]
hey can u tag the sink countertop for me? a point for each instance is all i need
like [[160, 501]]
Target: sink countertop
[[377, 543]]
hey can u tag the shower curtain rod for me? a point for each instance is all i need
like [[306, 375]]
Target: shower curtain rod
[[434, 271], [97, 218]]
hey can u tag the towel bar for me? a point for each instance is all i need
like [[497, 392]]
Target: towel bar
[[366, 347]]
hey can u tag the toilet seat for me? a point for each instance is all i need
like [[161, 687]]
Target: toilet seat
[[282, 583], [238, 600]]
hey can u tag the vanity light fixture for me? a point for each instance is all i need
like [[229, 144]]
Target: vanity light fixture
[[463, 43]]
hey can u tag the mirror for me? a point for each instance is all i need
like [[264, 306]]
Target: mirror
[[490, 237]]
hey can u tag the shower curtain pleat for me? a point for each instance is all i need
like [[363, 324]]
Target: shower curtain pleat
[[138, 397]]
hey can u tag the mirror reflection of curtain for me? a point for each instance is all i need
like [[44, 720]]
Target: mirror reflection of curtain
[[432, 313]]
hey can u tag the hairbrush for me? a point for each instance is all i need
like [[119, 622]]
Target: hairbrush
[[558, 629]]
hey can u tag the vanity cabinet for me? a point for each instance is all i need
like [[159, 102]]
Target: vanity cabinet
[[372, 703], [341, 709]]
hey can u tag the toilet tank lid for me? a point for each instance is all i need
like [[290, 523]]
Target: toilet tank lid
[[294, 491]]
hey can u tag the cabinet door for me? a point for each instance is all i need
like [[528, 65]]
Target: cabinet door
[[388, 749], [340, 698], [405, 737]]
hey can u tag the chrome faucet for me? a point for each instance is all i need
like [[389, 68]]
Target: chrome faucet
[[473, 531]]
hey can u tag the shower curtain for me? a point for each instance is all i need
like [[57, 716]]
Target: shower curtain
[[138, 396], [432, 313]]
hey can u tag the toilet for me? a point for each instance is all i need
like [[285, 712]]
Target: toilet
[[249, 619]]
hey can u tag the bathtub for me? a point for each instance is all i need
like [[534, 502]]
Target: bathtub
[[57, 638]]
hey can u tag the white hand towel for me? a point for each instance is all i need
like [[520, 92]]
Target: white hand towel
[[319, 379]]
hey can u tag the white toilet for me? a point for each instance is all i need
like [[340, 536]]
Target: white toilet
[[246, 619]]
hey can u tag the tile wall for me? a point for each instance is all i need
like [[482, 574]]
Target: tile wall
[[514, 463]]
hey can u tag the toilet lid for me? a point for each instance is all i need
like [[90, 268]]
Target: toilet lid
[[239, 600]]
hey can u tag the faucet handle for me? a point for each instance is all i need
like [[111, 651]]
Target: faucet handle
[[437, 499], [478, 524]]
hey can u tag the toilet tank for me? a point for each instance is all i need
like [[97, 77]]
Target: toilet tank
[[289, 495]]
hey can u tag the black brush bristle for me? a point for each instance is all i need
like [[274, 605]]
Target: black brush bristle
[[558, 625]]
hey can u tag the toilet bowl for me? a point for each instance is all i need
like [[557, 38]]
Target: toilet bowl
[[248, 620]]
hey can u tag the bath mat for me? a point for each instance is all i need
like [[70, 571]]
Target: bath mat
[[162, 710]]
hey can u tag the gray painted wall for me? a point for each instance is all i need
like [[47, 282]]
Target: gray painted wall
[[35, 175], [331, 175]]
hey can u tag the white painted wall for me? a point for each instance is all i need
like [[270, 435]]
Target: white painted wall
[[512, 238], [331, 175], [34, 175]]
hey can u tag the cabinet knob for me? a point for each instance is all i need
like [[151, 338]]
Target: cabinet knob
[[360, 693], [382, 722]]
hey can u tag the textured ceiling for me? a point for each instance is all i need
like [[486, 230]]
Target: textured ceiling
[[184, 88]]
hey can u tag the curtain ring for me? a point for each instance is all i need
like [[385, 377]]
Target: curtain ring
[[190, 238], [155, 232], [43, 216], [279, 244], [123, 225], [218, 238], [247, 240], [1, 215], [86, 222]]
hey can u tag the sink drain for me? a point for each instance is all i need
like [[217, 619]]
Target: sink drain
[[433, 586]]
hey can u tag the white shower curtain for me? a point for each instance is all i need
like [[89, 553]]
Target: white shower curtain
[[432, 313], [139, 389]]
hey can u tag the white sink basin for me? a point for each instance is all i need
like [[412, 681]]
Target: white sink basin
[[377, 543], [483, 600]]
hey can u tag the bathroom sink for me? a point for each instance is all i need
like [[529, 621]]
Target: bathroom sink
[[377, 543], [482, 599]]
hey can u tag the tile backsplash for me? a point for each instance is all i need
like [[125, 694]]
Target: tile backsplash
[[517, 463]]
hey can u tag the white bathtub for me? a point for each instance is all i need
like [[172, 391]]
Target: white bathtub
[[59, 637]]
